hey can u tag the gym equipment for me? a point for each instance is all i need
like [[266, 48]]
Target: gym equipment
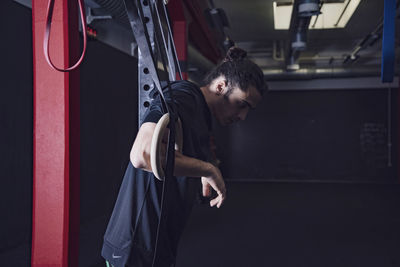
[[150, 37], [388, 41], [155, 152]]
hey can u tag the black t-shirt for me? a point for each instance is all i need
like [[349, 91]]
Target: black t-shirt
[[131, 233]]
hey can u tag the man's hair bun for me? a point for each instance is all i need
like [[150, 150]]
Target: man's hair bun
[[235, 53]]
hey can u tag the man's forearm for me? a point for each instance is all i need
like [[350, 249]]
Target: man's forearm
[[184, 165], [192, 167]]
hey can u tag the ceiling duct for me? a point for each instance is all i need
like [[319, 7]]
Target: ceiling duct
[[218, 20], [302, 12], [299, 42], [293, 65], [308, 8]]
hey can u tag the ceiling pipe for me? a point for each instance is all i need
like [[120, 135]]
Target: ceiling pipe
[[278, 51], [299, 23], [369, 40], [308, 74], [198, 65], [195, 58]]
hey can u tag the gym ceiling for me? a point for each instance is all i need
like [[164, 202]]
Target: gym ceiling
[[352, 51]]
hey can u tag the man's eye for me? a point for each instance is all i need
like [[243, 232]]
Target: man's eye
[[242, 104]]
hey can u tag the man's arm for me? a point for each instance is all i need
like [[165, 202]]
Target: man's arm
[[184, 166]]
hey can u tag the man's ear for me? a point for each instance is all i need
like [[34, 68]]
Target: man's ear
[[221, 87]]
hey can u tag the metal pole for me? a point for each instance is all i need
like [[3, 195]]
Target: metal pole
[[55, 211]]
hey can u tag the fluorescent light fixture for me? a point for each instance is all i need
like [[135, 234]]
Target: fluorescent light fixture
[[282, 15], [334, 15]]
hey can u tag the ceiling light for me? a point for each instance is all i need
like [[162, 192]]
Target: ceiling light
[[334, 15]]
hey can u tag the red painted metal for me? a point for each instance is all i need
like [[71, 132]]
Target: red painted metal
[[199, 32], [188, 23], [55, 221], [181, 43], [176, 13]]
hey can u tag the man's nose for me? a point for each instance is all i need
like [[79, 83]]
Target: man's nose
[[243, 114]]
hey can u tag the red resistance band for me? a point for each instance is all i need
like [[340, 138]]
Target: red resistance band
[[46, 39]]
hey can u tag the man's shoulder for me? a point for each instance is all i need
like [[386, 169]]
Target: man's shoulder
[[179, 88], [186, 86], [185, 91]]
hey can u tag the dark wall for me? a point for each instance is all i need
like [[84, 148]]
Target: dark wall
[[16, 122], [329, 135], [108, 128], [262, 224]]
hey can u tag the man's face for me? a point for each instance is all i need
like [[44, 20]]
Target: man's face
[[235, 106]]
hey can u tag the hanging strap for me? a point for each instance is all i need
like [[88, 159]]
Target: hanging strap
[[166, 47], [46, 39], [143, 41], [169, 169], [172, 44], [135, 14]]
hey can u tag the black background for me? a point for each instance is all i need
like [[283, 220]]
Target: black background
[[331, 199]]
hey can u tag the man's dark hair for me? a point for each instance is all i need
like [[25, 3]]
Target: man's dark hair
[[239, 71]]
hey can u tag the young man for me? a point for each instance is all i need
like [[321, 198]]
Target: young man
[[233, 88]]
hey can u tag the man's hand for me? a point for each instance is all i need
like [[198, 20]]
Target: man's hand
[[184, 166], [214, 180]]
